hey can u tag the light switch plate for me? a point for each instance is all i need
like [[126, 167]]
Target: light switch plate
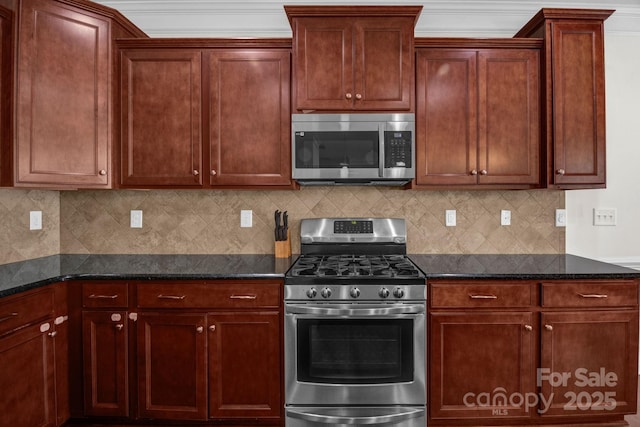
[[605, 216], [136, 219], [561, 217], [505, 217], [35, 220], [246, 218], [450, 217]]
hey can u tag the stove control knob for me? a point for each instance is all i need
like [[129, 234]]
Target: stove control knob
[[354, 292], [383, 292], [325, 292], [311, 293], [398, 292]]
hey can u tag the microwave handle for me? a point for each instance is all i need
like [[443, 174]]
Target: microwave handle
[[381, 128]]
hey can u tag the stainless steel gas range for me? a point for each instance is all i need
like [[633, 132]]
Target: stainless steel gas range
[[355, 334]]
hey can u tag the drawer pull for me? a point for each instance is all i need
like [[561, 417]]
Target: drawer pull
[[94, 296], [594, 295], [173, 297], [9, 317], [482, 296], [243, 297]]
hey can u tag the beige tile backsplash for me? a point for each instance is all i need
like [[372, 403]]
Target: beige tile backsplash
[[17, 242], [206, 222]]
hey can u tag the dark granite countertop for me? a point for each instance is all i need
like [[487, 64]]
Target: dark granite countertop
[[21, 276]]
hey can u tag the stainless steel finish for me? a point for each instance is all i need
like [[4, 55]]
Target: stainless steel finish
[[398, 292], [355, 309], [368, 293], [325, 292], [385, 230], [383, 293], [379, 122], [354, 292], [311, 292], [387, 416]]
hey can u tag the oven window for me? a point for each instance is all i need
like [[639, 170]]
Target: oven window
[[355, 351], [328, 150]]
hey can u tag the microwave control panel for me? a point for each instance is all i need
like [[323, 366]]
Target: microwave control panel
[[397, 149]]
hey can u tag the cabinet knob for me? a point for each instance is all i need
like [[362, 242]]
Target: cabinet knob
[[528, 327], [483, 172], [548, 327], [358, 96], [348, 96], [102, 172], [200, 329], [213, 172], [212, 328], [119, 327], [560, 171], [474, 172], [52, 334], [195, 172]]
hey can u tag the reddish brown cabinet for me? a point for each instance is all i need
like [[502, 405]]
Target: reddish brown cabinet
[[574, 102], [210, 114], [353, 58], [478, 118]]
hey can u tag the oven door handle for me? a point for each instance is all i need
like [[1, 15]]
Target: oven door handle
[[361, 310], [391, 418]]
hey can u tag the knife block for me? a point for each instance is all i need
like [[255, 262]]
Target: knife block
[[283, 247]]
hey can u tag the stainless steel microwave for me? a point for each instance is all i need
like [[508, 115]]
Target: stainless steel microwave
[[355, 149]]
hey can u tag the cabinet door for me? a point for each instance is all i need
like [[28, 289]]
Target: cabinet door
[[172, 379], [161, 118], [104, 337], [474, 355], [6, 95], [249, 118], [323, 56], [383, 63], [446, 117], [589, 362], [509, 116], [27, 378], [62, 133], [578, 104], [244, 365]]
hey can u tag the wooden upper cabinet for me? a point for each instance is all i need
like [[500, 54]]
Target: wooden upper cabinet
[[353, 58], [6, 94], [478, 117], [62, 126], [575, 95], [249, 117], [161, 109]]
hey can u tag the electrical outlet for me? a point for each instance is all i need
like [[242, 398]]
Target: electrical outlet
[[450, 217], [561, 217], [605, 216], [35, 220], [505, 217], [136, 219], [246, 218]]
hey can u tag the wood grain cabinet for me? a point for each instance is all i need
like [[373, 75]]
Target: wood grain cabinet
[[521, 352], [195, 116], [353, 58], [574, 102], [478, 115], [27, 356]]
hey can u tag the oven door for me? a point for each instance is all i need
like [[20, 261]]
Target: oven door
[[355, 354]]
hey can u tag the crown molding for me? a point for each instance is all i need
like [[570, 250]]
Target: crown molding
[[439, 18]]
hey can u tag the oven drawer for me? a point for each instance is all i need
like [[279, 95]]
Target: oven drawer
[[618, 293], [105, 295], [480, 295], [240, 294]]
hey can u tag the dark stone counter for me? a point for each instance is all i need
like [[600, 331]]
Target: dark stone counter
[[21, 276]]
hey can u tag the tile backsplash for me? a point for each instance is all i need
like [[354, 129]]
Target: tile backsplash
[[203, 222], [17, 242]]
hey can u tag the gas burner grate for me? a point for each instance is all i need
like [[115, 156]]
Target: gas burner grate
[[355, 266]]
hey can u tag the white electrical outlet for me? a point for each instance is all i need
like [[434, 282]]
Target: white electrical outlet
[[561, 217], [605, 216], [450, 217], [505, 217], [246, 218], [35, 220], [136, 219]]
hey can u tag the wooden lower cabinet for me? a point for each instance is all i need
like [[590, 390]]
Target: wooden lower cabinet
[[554, 353], [172, 378], [244, 353]]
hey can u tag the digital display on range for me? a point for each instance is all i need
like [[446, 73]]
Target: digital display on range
[[353, 227]]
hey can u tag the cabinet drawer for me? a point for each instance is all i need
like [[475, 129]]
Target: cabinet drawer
[[208, 295], [481, 295], [25, 310], [108, 295], [590, 294]]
